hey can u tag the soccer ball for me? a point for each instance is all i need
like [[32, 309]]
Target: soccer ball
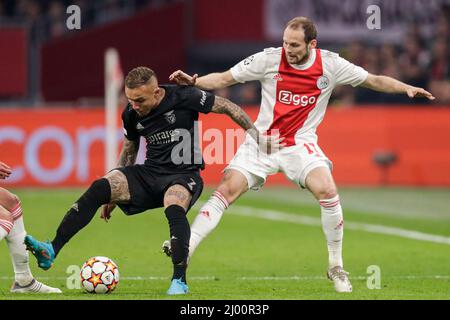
[[99, 275]]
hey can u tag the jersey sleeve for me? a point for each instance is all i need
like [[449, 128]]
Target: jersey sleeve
[[129, 127], [251, 68], [348, 73], [198, 100]]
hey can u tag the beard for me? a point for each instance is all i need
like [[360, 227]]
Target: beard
[[303, 59]]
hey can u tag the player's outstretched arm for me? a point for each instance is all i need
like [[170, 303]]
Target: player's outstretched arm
[[210, 81], [268, 144], [391, 85]]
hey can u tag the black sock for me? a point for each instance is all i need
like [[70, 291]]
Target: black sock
[[82, 212], [180, 234]]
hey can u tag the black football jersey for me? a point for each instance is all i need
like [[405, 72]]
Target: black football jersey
[[171, 129]]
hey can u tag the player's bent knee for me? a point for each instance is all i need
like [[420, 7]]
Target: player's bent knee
[[99, 183], [327, 193], [174, 201], [232, 185], [100, 189], [15, 201], [227, 191], [118, 184], [9, 201], [6, 215], [115, 177], [177, 195]]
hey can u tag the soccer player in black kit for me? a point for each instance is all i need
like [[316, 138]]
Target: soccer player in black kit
[[166, 116]]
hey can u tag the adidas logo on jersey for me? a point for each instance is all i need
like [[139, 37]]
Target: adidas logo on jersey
[[139, 126], [278, 77]]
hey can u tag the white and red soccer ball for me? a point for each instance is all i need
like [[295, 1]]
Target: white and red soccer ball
[[99, 275]]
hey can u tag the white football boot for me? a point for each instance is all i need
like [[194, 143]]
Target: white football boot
[[167, 249], [340, 279], [34, 287]]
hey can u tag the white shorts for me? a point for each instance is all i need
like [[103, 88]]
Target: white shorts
[[294, 161]]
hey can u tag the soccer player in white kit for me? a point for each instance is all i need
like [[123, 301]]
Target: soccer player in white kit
[[12, 228], [297, 81]]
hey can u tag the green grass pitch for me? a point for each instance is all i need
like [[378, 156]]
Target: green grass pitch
[[268, 246]]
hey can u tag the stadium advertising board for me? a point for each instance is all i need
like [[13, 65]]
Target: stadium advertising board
[[65, 147]]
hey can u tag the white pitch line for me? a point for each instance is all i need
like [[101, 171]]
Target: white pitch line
[[137, 278], [300, 278], [296, 278], [312, 221]]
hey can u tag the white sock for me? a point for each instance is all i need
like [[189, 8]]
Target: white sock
[[333, 227], [17, 249], [207, 219]]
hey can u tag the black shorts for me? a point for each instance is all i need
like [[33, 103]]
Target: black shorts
[[147, 188]]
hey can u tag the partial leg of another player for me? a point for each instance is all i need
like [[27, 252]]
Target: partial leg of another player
[[176, 203], [320, 182], [110, 189], [12, 228], [232, 186]]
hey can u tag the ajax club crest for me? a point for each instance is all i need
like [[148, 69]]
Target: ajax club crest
[[323, 82]]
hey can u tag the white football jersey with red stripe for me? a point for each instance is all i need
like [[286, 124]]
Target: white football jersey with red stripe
[[295, 97]]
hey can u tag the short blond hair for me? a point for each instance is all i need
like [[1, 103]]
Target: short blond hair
[[139, 76]]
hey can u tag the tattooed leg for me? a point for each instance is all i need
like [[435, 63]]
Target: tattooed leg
[[119, 186], [117, 180], [177, 195]]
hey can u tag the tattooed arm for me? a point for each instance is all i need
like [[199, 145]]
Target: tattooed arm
[[129, 152], [269, 143], [222, 105]]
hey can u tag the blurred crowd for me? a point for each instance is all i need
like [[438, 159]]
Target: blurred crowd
[[417, 60], [47, 18]]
